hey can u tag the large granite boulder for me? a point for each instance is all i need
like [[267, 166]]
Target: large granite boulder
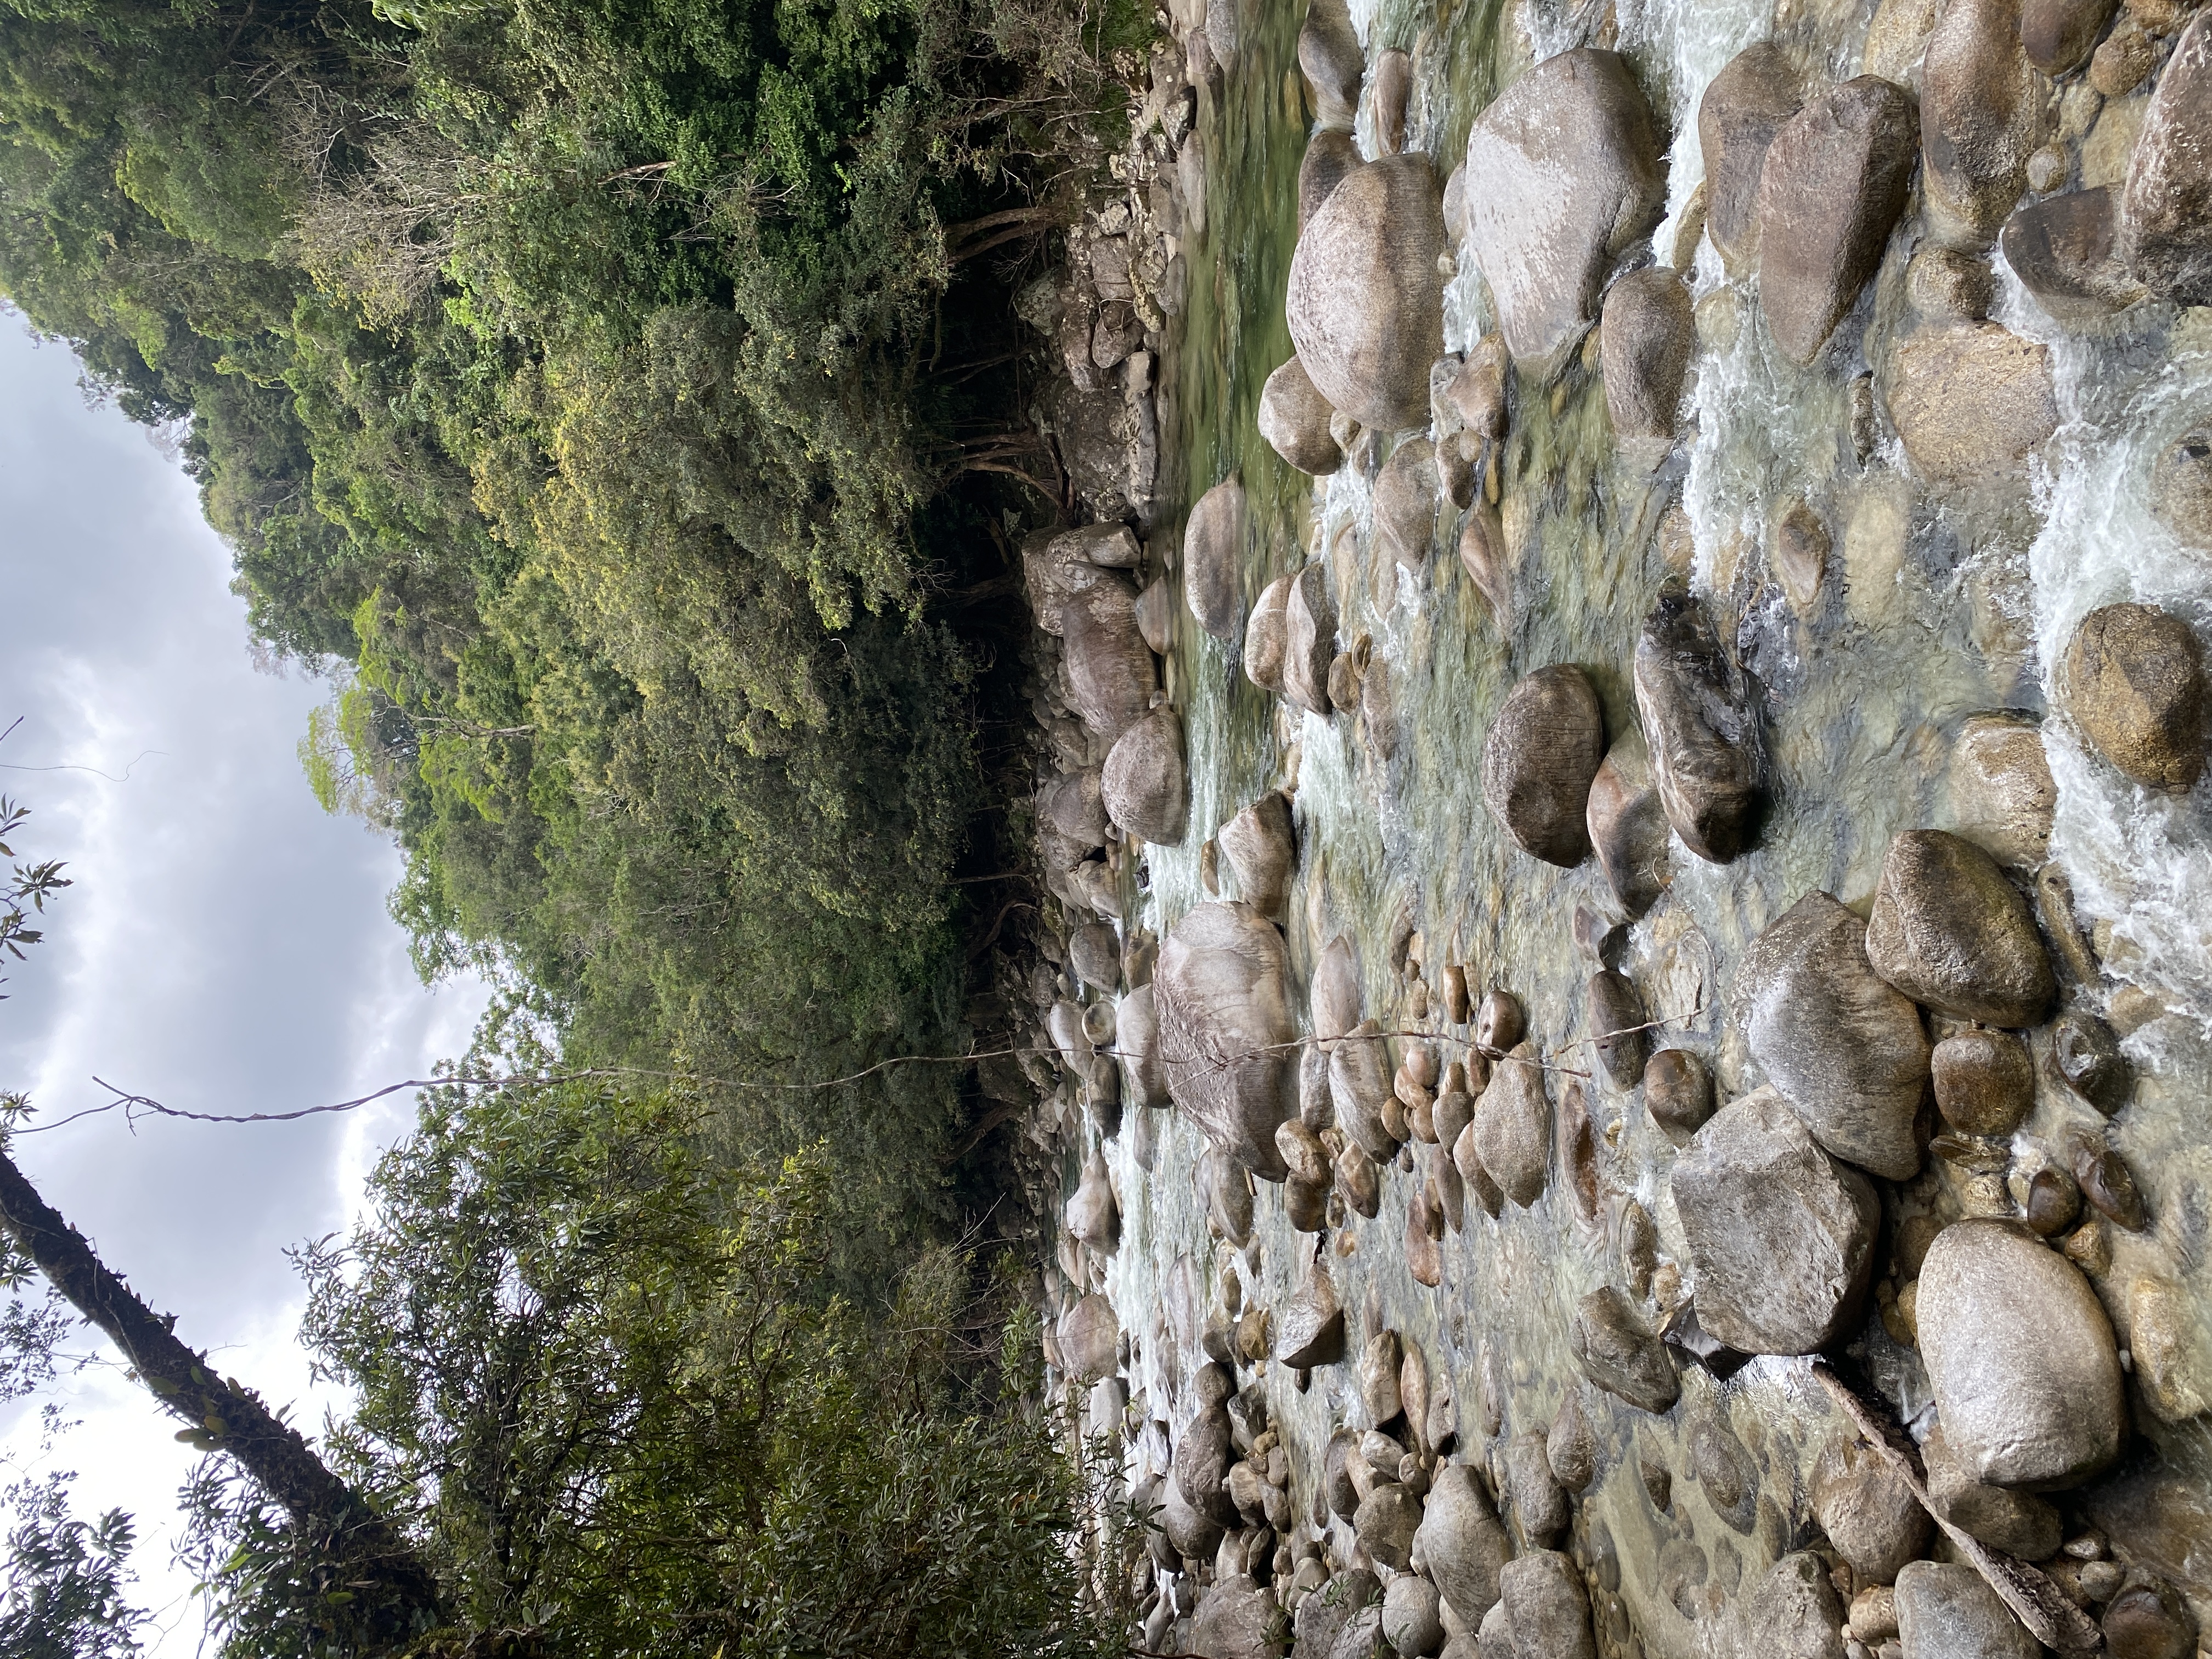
[[1951, 933], [1744, 106], [1213, 558], [1221, 993], [1833, 188], [1144, 784], [1844, 1046], [1511, 1131], [1366, 300], [2165, 207], [1971, 403], [1568, 177], [1110, 669]]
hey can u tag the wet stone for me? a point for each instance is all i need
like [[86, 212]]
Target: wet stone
[[2149, 1620], [1794, 1613], [1950, 932], [2085, 1056], [1571, 1448], [1547, 1607], [1701, 727], [1614, 1351], [1869, 1511], [1538, 760], [1951, 1612], [1616, 1007], [1540, 1503], [2134, 682], [1365, 304], [1511, 1131], [1743, 107], [1385, 1523], [1678, 1092], [1294, 420]]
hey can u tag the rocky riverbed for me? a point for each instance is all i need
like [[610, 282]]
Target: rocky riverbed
[[1624, 1031]]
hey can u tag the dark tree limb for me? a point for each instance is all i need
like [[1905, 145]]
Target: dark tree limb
[[221, 1415]]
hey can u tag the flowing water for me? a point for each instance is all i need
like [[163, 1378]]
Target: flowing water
[[1938, 606]]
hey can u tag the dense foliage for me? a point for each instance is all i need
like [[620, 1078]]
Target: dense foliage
[[602, 391], [597, 1386]]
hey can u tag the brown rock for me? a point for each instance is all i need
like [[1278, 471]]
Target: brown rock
[[1483, 551], [2134, 682], [1984, 1082], [1331, 156], [1265, 639], [2085, 1056], [1950, 932], [1613, 1350], [1512, 1128], [2165, 209], [1366, 301], [1972, 403], [1261, 846], [2128, 55], [1627, 825], [1309, 639], [1678, 1092], [1981, 118], [1294, 420], [1476, 391], [1618, 1017], [1405, 492], [2062, 250], [1220, 992], [1310, 1331], [1334, 996], [2000, 793], [1329, 55], [1869, 1511], [1949, 284], [1801, 545], [2106, 1182], [1393, 88], [1701, 726], [2181, 490], [2018, 1522], [1646, 333], [2059, 35], [1833, 187], [1537, 762], [2149, 1620], [1744, 106]]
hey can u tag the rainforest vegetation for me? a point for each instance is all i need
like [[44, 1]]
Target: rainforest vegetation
[[618, 403]]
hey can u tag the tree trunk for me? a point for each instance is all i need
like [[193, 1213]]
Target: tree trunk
[[229, 1417]]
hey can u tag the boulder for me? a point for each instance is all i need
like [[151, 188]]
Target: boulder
[[1092, 1214], [1361, 1637], [1413, 1617], [2021, 1358], [1302, 1152], [1614, 1351], [1143, 783], [1833, 189], [1110, 670], [2001, 794], [1322, 1617], [1627, 825], [2133, 679], [1266, 635], [1571, 1448], [1203, 1453], [1678, 1092], [1331, 60], [1405, 492], [1394, 92], [1380, 1362], [1263, 852], [1309, 1330], [1488, 561], [1309, 639], [1701, 726], [1950, 284], [1221, 993], [1794, 1613], [1981, 118], [1537, 762], [1212, 556], [2085, 1055], [1618, 1017], [1951, 933], [1971, 403], [1475, 390], [2018, 1522], [2149, 1619], [1867, 1507], [2059, 35], [1844, 1046], [1512, 1126], [1385, 1522], [1946, 1611], [1089, 1335], [1570, 177], [1781, 1236], [1545, 1607], [1744, 106], [1984, 1082], [1072, 805], [1463, 1546], [1094, 956], [1331, 156], [1366, 300], [1358, 1084], [2181, 490], [2062, 251], [1540, 1502], [1137, 1040], [2165, 206], [1057, 566], [1193, 1532], [1294, 420], [1334, 996], [1236, 1619], [1156, 616], [1646, 335]]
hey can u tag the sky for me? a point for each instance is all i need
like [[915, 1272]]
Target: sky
[[225, 948]]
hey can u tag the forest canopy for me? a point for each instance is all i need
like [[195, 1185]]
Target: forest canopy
[[613, 399]]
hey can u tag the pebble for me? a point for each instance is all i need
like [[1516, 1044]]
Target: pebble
[[2149, 1620]]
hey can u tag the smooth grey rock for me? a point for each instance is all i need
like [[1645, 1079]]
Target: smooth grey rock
[[1833, 187], [1221, 996], [1213, 555], [1366, 300], [1094, 955], [1144, 784], [2021, 1358], [1202, 1456], [1627, 825], [1335, 995], [1394, 91], [1322, 1615], [2085, 1055], [2165, 207], [1405, 492], [1701, 727], [1072, 805], [1971, 403], [2064, 252], [1332, 154], [1615, 1352], [1950, 932], [1646, 336], [1266, 637], [1092, 1214], [1362, 1636], [1379, 1361], [1193, 1532], [2018, 1522], [1413, 1619], [1512, 1132], [1262, 849], [1951, 1612], [1385, 1522], [2001, 794], [2133, 680], [1743, 107], [1781, 1236], [1547, 1607], [1540, 1502], [1678, 1092], [1294, 420], [1570, 177], [1109, 667], [1794, 1613], [1618, 1017], [1330, 58], [1844, 1046], [1539, 759], [1358, 1085], [1869, 1512], [1463, 1543], [1309, 639], [1137, 1038], [1309, 1330], [1981, 118]]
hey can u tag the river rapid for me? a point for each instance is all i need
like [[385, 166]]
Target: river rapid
[[1940, 603]]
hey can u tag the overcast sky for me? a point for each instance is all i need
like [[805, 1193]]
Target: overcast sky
[[226, 947]]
